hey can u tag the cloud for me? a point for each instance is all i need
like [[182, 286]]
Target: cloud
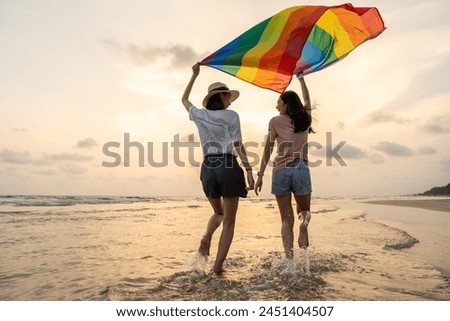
[[346, 152], [13, 157], [381, 117], [72, 169], [20, 158], [66, 157], [86, 143], [179, 55], [47, 172], [352, 152], [341, 125], [421, 72], [420, 86], [192, 139], [394, 149], [23, 130], [426, 150], [375, 158], [435, 128]]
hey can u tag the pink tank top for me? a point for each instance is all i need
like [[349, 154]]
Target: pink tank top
[[290, 145]]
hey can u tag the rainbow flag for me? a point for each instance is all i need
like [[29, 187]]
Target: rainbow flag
[[301, 39]]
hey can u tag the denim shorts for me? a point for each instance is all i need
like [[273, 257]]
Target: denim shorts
[[222, 176], [293, 178]]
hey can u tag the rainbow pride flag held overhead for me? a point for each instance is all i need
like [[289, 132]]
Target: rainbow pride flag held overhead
[[301, 39]]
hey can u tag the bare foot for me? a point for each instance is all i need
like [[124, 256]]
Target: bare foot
[[303, 239], [205, 245], [218, 271]]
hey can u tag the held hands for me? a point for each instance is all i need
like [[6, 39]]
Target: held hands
[[250, 181], [259, 184]]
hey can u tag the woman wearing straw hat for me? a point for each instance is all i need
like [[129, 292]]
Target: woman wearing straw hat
[[221, 176]]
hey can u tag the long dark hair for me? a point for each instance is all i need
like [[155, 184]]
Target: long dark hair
[[215, 102], [301, 119]]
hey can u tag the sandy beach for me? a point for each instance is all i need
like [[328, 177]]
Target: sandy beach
[[351, 258], [146, 250], [433, 203]]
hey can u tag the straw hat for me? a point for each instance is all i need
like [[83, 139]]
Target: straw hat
[[219, 87]]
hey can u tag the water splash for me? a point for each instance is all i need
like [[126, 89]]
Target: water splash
[[196, 262], [302, 260], [307, 263], [250, 277]]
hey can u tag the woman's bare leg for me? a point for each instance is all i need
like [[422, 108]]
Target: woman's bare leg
[[213, 223], [230, 206], [303, 208], [287, 223]]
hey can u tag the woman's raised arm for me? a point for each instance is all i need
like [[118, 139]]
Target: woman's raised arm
[[185, 99], [305, 92]]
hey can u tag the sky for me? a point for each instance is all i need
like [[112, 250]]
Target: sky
[[90, 98]]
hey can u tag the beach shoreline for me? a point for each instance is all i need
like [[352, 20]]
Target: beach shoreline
[[116, 249], [434, 204]]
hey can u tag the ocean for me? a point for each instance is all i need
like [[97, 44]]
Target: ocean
[[93, 248]]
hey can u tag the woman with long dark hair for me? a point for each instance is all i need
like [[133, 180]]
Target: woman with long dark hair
[[221, 176], [291, 175]]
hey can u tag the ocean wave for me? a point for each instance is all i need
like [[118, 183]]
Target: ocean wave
[[325, 210], [25, 200], [405, 241], [393, 238]]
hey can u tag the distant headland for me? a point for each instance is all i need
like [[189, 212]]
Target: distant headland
[[438, 191]]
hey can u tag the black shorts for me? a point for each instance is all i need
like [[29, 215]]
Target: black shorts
[[222, 176]]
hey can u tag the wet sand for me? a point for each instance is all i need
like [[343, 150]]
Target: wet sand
[[148, 251], [350, 258], [436, 204]]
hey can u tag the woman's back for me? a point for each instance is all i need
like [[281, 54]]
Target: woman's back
[[217, 129], [290, 145]]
